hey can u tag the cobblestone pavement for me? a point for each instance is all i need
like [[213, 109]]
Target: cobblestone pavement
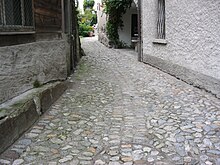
[[122, 112]]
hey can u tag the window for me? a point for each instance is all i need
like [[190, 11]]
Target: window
[[16, 14], [161, 20], [98, 6]]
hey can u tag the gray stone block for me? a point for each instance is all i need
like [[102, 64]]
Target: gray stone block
[[16, 124], [22, 65]]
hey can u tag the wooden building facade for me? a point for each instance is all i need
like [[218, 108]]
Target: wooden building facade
[[23, 21], [28, 21], [39, 41]]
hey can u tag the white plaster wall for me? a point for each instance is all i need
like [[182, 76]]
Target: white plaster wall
[[101, 19], [21, 65], [125, 32], [192, 34]]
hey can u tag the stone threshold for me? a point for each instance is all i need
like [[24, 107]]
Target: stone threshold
[[20, 113]]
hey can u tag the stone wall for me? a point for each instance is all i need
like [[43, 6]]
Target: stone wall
[[193, 41], [102, 20], [22, 65]]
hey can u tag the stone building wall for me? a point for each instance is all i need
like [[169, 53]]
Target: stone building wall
[[101, 28], [22, 65], [192, 52]]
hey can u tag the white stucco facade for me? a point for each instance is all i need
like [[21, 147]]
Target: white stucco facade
[[124, 33], [192, 36], [101, 21]]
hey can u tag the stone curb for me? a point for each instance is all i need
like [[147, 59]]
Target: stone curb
[[18, 116]]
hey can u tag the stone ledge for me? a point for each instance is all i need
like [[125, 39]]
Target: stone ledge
[[20, 113], [160, 41]]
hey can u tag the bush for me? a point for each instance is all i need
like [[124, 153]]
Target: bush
[[88, 4], [89, 17], [84, 29]]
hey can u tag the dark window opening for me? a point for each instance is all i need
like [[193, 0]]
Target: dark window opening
[[13, 15], [161, 20], [28, 13], [134, 26]]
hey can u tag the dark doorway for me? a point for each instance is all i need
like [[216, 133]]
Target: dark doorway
[[134, 26]]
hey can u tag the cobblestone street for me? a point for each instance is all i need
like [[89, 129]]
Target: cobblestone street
[[119, 111]]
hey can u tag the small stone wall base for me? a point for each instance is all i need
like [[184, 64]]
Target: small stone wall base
[[20, 113], [103, 39]]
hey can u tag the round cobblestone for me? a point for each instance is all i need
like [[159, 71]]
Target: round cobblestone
[[120, 111]]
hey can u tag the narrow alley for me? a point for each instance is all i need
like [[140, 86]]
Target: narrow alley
[[118, 111]]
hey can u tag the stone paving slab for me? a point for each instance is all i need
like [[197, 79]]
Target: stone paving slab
[[122, 112]]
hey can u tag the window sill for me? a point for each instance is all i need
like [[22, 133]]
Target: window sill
[[15, 33], [160, 41]]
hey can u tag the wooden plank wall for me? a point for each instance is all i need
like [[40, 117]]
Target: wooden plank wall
[[48, 15]]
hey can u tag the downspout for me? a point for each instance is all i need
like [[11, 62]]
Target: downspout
[[140, 57]]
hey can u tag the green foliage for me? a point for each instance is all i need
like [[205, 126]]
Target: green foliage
[[94, 19], [112, 32], [88, 4], [88, 19], [115, 10], [36, 84], [84, 29]]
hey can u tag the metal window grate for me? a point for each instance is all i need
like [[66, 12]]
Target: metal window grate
[[16, 14], [28, 13], [12, 12], [161, 20]]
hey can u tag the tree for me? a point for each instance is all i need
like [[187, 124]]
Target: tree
[[88, 19], [88, 4], [90, 16]]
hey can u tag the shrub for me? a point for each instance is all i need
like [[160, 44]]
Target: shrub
[[36, 84], [84, 29], [88, 4]]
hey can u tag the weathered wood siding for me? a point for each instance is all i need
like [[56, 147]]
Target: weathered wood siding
[[48, 15]]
